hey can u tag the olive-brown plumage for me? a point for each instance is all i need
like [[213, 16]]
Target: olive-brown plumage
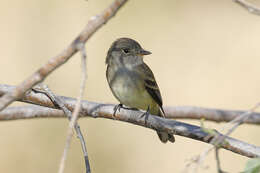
[[132, 82]]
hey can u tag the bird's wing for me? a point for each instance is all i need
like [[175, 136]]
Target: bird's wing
[[150, 84]]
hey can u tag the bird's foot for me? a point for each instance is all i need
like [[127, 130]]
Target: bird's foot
[[117, 107], [146, 114]]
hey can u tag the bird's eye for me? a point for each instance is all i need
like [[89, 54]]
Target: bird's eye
[[125, 50]]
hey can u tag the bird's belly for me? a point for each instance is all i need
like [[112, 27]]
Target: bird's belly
[[131, 92]]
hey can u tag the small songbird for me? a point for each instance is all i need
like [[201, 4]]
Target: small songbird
[[132, 82]]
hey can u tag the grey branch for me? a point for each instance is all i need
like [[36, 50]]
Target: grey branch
[[218, 161], [250, 7], [60, 105], [75, 114], [97, 110], [180, 112], [210, 114], [218, 139], [93, 25]]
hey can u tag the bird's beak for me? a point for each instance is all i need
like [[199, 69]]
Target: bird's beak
[[144, 52]]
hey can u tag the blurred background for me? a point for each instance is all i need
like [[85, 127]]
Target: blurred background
[[205, 53]]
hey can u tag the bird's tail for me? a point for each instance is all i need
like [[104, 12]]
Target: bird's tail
[[164, 136]]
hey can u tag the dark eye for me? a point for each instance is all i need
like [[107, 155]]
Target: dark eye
[[125, 50]]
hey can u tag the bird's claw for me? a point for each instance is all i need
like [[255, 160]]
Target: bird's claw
[[146, 114], [117, 107]]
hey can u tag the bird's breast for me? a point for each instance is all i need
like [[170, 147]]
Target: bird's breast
[[128, 87]]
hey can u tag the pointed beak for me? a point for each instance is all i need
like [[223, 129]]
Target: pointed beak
[[144, 52]]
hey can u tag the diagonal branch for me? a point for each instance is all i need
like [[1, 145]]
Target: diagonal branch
[[180, 112], [217, 140], [75, 114], [154, 122], [93, 25], [250, 7], [60, 105]]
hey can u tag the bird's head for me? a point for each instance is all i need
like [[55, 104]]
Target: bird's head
[[125, 51]]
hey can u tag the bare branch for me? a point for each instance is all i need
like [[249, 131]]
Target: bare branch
[[216, 115], [73, 121], [180, 112], [93, 25], [154, 122], [218, 161], [60, 105], [29, 112], [250, 7], [219, 139], [234, 124]]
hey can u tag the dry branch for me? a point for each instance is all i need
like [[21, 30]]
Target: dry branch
[[248, 6], [217, 140], [210, 114], [75, 114], [180, 112], [93, 25], [157, 123], [60, 105]]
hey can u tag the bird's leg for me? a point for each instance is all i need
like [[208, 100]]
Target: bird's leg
[[119, 106], [146, 115]]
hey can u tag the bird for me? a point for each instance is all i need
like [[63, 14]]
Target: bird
[[132, 82]]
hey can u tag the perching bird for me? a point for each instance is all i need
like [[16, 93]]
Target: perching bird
[[132, 82]]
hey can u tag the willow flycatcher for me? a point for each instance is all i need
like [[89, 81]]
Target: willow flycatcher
[[132, 82]]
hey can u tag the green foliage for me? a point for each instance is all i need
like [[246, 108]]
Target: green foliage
[[252, 166]]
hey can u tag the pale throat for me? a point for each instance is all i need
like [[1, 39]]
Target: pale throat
[[134, 62]]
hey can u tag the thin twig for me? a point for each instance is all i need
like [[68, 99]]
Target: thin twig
[[219, 139], [218, 161], [93, 25], [60, 105], [84, 78], [75, 113], [250, 7]]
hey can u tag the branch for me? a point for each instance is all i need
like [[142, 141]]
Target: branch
[[93, 25], [216, 115], [218, 139], [154, 122], [181, 112], [250, 7], [75, 114], [218, 161], [60, 105]]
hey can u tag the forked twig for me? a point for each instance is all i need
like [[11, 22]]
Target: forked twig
[[59, 103], [219, 139], [75, 113]]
